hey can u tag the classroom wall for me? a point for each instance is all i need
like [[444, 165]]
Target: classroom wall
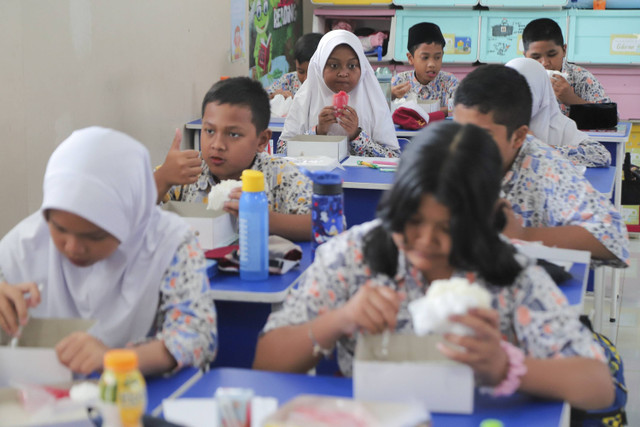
[[139, 66]]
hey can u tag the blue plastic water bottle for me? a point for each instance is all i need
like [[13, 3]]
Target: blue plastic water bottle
[[326, 208], [254, 227]]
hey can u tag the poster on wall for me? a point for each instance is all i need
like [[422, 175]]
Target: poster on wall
[[275, 25], [238, 42]]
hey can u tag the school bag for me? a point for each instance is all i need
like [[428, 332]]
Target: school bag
[[614, 415]]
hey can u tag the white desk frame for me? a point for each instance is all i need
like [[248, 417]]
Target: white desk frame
[[598, 277]]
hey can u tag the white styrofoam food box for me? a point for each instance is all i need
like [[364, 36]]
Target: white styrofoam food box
[[334, 146], [213, 229], [413, 370], [34, 360]]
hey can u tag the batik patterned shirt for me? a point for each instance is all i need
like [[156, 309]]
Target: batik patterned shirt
[[546, 190], [186, 317], [441, 88], [288, 82], [584, 84], [534, 314], [588, 153], [288, 190]]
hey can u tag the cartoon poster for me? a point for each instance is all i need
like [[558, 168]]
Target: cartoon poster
[[238, 42], [275, 25]]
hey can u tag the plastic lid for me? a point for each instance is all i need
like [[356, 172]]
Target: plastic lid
[[383, 74], [327, 183], [491, 422], [121, 360], [252, 181]]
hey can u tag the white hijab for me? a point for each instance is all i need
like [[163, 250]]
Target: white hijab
[[366, 97], [105, 177], [547, 121]]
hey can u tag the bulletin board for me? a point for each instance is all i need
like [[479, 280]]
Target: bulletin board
[[460, 29], [501, 32]]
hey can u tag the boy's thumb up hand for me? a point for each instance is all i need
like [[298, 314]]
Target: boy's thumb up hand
[[179, 167], [177, 141]]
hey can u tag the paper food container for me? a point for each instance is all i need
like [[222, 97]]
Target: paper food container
[[413, 371], [318, 145], [213, 229], [34, 360]]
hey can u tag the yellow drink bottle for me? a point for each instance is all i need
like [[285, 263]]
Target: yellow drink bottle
[[123, 393]]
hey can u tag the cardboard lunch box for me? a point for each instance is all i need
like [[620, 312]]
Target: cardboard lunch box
[[412, 371], [34, 360], [214, 229], [334, 146]]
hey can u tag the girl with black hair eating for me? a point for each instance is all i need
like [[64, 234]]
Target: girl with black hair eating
[[441, 219]]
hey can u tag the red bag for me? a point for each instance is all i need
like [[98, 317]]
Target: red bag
[[408, 118]]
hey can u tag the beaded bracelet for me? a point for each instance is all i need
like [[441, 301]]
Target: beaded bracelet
[[317, 348], [517, 369]]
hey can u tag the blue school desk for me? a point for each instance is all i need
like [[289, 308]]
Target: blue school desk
[[166, 387], [518, 410], [243, 307]]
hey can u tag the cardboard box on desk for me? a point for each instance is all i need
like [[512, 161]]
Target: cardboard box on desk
[[213, 229], [34, 360], [414, 370], [318, 145]]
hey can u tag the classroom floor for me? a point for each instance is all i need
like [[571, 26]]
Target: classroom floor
[[626, 331]]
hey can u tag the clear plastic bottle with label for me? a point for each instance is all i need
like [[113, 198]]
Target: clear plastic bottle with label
[[254, 227]]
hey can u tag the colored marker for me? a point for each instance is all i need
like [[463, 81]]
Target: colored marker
[[380, 162], [367, 164]]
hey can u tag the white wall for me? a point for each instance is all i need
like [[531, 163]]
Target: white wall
[[140, 66]]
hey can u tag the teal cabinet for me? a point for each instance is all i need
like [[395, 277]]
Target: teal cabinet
[[460, 29], [501, 32]]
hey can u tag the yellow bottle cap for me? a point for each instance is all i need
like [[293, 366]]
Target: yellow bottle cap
[[121, 360], [491, 422], [252, 181]]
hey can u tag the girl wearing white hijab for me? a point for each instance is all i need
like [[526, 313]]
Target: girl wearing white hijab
[[101, 249], [548, 124], [339, 64]]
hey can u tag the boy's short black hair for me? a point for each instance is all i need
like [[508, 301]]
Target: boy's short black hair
[[306, 46], [424, 32], [242, 91], [499, 90], [543, 29]]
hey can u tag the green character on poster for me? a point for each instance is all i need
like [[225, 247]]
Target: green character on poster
[[261, 11]]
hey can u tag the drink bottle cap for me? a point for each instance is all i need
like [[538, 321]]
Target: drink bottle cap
[[252, 181], [327, 183], [121, 360], [491, 422]]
